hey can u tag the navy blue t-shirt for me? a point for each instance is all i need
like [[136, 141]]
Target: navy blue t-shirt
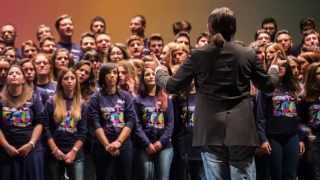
[[277, 114], [17, 124], [111, 112], [66, 132], [156, 124], [48, 89]]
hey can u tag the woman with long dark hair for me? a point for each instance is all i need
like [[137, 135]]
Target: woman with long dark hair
[[112, 119], [117, 53], [88, 87], [310, 113], [86, 78], [21, 126], [96, 61], [155, 116], [61, 59], [278, 125], [29, 71]]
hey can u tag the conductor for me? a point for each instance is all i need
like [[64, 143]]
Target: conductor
[[224, 121]]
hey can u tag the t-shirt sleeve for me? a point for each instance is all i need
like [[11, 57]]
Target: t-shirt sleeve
[[261, 117], [48, 112], [165, 139], [138, 130], [93, 113], [82, 126], [130, 113]]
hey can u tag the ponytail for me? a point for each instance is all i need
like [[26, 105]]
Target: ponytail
[[218, 40]]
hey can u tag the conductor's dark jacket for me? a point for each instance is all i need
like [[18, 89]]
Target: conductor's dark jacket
[[224, 109]]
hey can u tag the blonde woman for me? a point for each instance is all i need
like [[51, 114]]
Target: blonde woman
[[66, 130]]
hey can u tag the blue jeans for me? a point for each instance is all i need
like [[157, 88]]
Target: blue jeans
[[229, 162], [156, 167], [75, 171]]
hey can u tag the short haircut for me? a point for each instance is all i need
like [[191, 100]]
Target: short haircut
[[269, 20], [39, 27], [142, 18], [181, 26], [46, 38], [222, 21], [69, 54], [155, 37], [10, 24], [308, 32], [308, 22], [133, 38], [28, 43], [87, 34], [260, 31], [102, 33], [182, 34], [203, 34], [282, 31], [59, 19], [92, 55]]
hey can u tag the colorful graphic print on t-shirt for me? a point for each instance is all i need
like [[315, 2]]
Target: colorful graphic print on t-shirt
[[18, 117], [153, 117], [284, 105], [68, 124], [114, 116]]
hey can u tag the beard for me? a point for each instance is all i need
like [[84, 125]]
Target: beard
[[9, 41], [139, 32]]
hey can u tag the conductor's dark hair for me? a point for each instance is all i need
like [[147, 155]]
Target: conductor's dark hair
[[222, 25]]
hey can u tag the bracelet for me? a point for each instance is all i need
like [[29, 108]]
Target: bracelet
[[75, 149], [32, 144]]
